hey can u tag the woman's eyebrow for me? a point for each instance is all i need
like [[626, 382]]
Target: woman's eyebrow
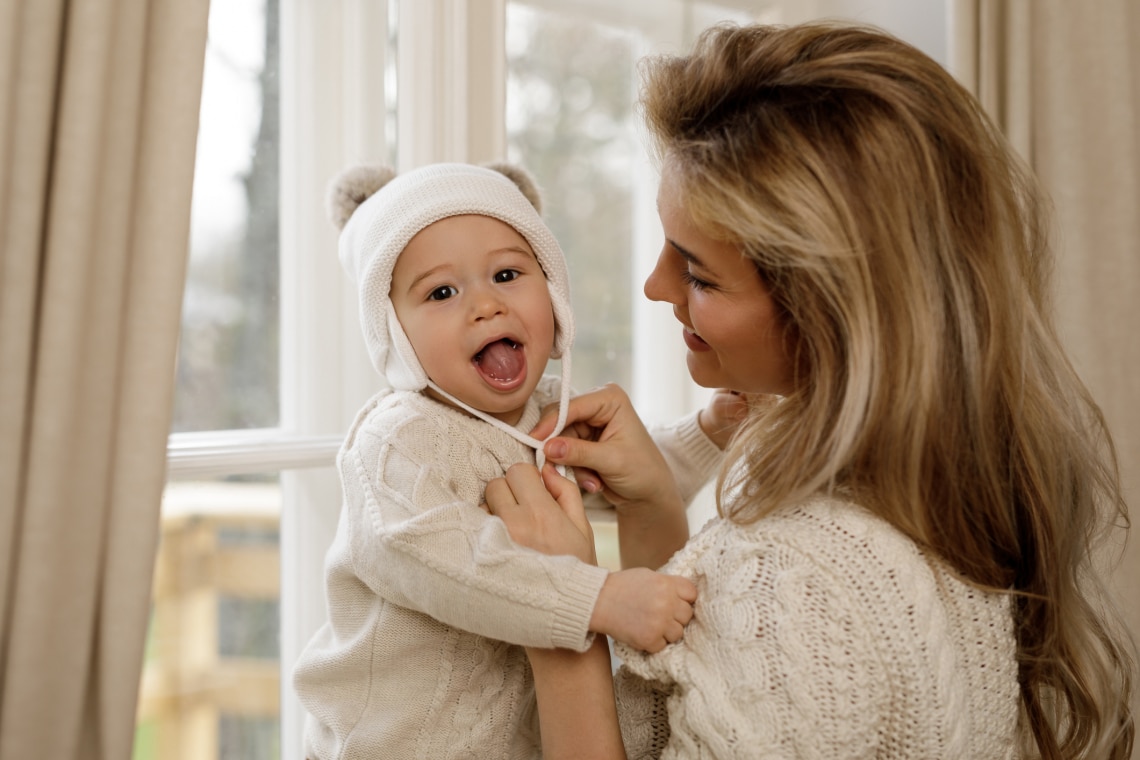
[[686, 254]]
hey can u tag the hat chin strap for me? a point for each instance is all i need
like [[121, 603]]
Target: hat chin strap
[[511, 430], [404, 372]]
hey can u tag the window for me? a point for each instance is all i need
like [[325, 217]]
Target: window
[[570, 119], [228, 351], [272, 367]]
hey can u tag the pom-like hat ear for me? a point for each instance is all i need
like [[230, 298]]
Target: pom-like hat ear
[[352, 187], [522, 179]]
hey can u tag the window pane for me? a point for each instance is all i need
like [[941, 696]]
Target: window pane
[[570, 122], [211, 680], [227, 363]]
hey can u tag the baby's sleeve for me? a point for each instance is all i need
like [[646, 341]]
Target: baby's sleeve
[[415, 543]]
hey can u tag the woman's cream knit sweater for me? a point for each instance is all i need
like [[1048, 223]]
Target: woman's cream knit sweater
[[430, 603], [822, 632]]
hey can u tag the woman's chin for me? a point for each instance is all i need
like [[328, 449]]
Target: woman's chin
[[699, 372]]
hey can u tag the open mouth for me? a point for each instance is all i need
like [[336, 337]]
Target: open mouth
[[502, 363]]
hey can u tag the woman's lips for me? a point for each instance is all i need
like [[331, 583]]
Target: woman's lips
[[694, 342]]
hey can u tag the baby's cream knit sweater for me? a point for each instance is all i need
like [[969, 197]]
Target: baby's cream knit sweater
[[430, 603], [822, 632]]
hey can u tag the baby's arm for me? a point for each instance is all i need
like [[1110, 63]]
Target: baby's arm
[[643, 608], [412, 540]]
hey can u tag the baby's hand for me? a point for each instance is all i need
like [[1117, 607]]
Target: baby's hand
[[644, 608]]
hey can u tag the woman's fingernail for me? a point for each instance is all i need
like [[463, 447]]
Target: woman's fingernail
[[556, 449], [589, 486]]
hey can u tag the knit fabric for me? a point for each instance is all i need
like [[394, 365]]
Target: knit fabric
[[822, 632], [429, 601], [691, 456]]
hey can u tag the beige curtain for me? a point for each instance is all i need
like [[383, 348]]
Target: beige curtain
[[98, 123], [1063, 79]]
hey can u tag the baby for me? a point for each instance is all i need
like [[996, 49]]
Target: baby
[[464, 297]]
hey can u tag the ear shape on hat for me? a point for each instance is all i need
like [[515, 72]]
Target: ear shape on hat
[[523, 179], [352, 187]]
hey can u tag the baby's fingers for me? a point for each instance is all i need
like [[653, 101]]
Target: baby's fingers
[[685, 588], [686, 592]]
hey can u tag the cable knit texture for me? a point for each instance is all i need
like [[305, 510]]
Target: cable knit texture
[[430, 603], [822, 632]]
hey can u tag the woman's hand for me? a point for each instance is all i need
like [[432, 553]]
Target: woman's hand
[[727, 410], [611, 451], [609, 448], [542, 511], [722, 416]]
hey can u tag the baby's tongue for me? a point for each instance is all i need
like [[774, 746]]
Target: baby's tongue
[[502, 360]]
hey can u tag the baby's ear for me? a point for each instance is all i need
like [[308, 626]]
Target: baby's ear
[[522, 178], [352, 187]]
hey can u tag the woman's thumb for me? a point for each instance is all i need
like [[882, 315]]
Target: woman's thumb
[[565, 492]]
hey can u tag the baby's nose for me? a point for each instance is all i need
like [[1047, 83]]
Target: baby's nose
[[487, 303]]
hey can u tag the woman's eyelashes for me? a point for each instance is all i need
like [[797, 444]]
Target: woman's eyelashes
[[696, 283]]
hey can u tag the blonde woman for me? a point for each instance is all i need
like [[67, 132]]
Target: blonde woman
[[902, 565]]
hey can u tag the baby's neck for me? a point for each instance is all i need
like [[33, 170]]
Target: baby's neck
[[510, 417]]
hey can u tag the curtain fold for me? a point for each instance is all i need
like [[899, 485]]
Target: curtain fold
[[1063, 80], [98, 123]]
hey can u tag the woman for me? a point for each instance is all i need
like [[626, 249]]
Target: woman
[[902, 562]]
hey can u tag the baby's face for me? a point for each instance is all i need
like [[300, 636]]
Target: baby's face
[[475, 306]]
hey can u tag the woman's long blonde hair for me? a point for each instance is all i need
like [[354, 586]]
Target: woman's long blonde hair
[[906, 247]]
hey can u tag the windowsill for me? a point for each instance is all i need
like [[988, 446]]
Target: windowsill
[[217, 454]]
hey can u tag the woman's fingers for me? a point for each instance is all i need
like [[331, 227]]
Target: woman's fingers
[[562, 490], [593, 458], [594, 409], [565, 493], [535, 518], [499, 497]]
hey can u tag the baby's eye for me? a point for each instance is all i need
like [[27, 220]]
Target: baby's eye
[[506, 275], [442, 293]]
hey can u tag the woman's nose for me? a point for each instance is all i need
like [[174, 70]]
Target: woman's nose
[[657, 283]]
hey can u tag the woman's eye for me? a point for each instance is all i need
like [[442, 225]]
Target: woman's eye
[[506, 275], [693, 281], [442, 293]]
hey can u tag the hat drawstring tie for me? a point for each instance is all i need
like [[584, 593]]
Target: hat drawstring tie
[[518, 435]]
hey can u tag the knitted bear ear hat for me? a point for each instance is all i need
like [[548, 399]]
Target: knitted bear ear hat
[[379, 212]]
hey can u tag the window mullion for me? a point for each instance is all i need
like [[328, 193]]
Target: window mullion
[[333, 57], [451, 81]]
